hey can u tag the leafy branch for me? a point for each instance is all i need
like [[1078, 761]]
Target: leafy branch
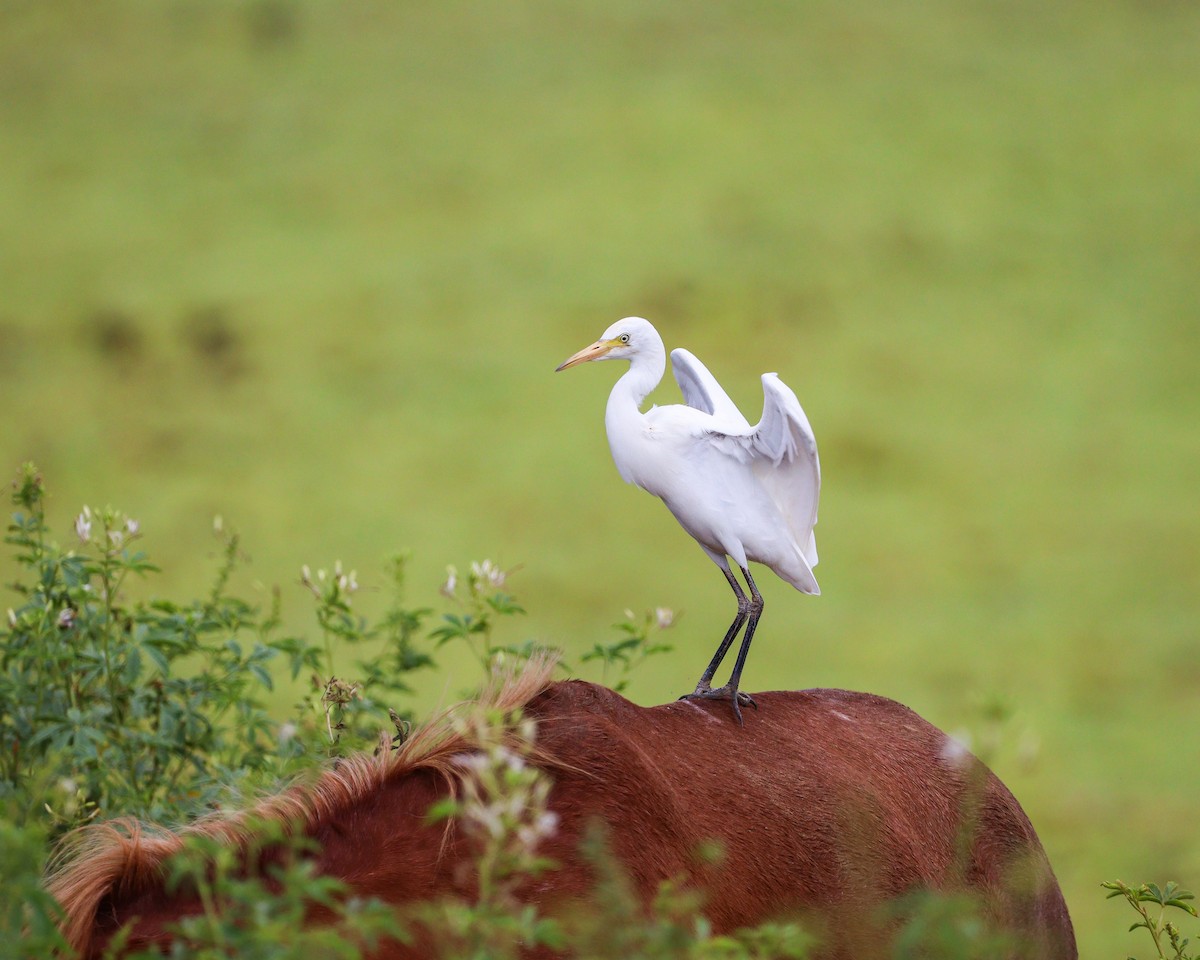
[[1172, 895], [635, 646]]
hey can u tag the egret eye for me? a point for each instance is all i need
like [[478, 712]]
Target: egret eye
[[624, 338]]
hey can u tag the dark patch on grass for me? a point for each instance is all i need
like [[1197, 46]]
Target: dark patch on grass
[[857, 454], [215, 343], [116, 336], [272, 23]]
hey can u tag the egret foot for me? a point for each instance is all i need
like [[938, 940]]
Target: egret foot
[[736, 698]]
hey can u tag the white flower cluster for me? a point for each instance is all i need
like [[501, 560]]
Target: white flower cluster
[[509, 811], [505, 801], [118, 532], [484, 574], [488, 573], [340, 581]]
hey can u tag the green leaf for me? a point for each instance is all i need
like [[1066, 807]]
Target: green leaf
[[263, 677], [444, 809]]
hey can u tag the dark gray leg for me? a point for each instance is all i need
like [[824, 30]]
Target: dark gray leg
[[748, 608], [743, 610], [756, 607]]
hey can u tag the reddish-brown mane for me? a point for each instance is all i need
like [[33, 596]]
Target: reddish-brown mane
[[124, 856], [829, 805]]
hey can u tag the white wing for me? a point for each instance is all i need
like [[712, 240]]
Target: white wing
[[782, 451], [701, 391]]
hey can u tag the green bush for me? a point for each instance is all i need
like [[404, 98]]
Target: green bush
[[157, 709]]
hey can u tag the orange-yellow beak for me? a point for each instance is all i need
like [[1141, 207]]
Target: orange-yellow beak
[[594, 352]]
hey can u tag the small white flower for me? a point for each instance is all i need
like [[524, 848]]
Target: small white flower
[[516, 806], [346, 582], [664, 617], [956, 750], [447, 589], [471, 761], [489, 818], [287, 733], [66, 618], [132, 527], [83, 525], [306, 579], [544, 825], [526, 729]]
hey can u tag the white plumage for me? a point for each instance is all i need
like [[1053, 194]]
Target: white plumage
[[746, 493]]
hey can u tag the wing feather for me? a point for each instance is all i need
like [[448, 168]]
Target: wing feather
[[782, 451], [793, 477], [701, 391]]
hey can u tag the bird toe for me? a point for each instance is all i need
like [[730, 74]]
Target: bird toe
[[736, 698]]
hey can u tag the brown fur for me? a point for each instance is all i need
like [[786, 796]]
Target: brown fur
[[828, 805]]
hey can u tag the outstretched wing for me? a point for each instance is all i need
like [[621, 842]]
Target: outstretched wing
[[782, 451], [785, 438], [701, 391]]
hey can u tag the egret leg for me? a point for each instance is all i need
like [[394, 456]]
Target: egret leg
[[743, 610], [735, 678], [748, 608]]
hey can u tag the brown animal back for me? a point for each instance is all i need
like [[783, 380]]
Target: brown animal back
[[828, 804]]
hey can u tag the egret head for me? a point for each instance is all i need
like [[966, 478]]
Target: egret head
[[622, 341]]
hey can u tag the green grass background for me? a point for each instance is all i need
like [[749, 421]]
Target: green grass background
[[310, 266]]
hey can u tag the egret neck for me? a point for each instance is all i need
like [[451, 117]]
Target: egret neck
[[623, 417]]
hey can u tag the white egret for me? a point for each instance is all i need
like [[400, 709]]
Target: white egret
[[746, 493]]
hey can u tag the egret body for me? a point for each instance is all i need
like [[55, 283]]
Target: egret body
[[745, 493]]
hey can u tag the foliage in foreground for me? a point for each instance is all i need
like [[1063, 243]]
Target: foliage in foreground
[[1169, 943], [158, 709]]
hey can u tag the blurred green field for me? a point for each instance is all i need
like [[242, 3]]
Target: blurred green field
[[310, 266]]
